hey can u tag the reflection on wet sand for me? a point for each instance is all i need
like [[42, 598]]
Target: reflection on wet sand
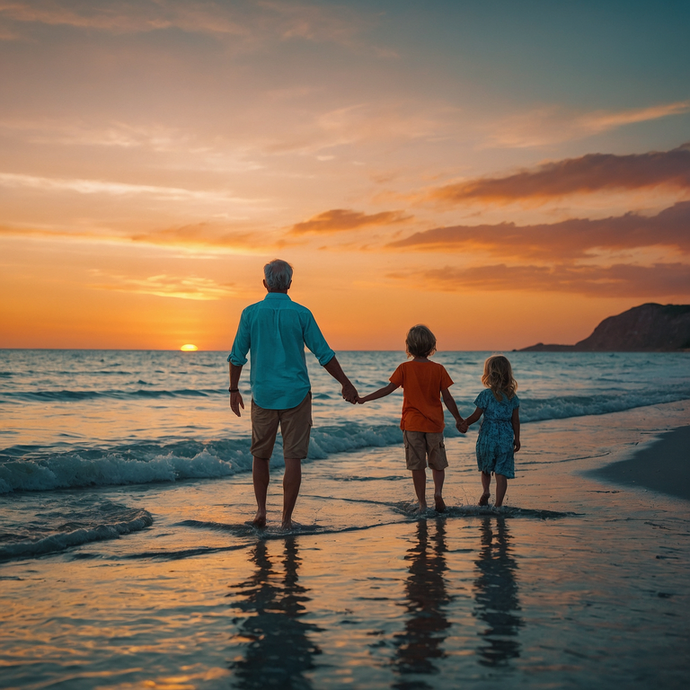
[[275, 641], [496, 594], [420, 645]]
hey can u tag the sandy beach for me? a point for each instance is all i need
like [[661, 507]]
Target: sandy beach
[[663, 465], [575, 583]]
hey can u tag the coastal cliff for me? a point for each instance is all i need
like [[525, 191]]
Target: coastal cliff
[[648, 328]]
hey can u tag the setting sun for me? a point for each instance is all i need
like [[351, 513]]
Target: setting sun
[[189, 348]]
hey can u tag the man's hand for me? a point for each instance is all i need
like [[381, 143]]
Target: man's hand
[[461, 426], [236, 402], [350, 393]]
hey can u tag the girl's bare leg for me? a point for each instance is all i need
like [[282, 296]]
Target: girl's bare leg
[[486, 482], [439, 476], [501, 486], [419, 480]]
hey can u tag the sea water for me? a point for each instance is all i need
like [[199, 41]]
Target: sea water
[[125, 488], [78, 419]]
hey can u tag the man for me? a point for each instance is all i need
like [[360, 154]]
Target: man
[[276, 331]]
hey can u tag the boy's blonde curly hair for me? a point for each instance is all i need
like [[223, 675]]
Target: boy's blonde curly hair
[[498, 377]]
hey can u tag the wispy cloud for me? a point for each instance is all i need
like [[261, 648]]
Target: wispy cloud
[[125, 17], [244, 21], [593, 172], [618, 280], [190, 287], [554, 124], [85, 186], [339, 220], [206, 236], [59, 234], [73, 131], [197, 236], [574, 238], [367, 123]]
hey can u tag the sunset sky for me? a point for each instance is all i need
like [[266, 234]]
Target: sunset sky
[[505, 172]]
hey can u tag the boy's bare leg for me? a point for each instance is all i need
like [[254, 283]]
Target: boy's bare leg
[[260, 477], [501, 486], [419, 480], [292, 479], [439, 476], [486, 482]]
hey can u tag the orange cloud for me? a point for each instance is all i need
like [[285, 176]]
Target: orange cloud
[[590, 173], [619, 280], [573, 238], [190, 287], [339, 220], [203, 235], [194, 236]]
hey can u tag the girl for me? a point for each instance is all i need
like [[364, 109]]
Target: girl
[[424, 384], [499, 435]]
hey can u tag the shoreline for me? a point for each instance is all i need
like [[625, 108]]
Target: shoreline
[[368, 594], [660, 466]]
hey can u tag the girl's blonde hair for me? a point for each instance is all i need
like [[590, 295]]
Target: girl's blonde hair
[[498, 376], [420, 341]]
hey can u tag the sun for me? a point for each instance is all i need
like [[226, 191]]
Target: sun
[[189, 348]]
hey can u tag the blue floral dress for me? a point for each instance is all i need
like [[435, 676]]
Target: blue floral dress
[[495, 440]]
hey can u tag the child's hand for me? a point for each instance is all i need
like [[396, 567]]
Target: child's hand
[[360, 401]]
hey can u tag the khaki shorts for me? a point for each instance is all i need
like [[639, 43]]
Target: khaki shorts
[[295, 425], [419, 445]]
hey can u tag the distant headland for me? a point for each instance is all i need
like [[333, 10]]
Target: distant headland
[[648, 328]]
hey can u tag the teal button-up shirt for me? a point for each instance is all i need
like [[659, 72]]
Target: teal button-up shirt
[[276, 331]]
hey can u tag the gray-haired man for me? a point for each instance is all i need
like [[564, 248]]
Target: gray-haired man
[[276, 330]]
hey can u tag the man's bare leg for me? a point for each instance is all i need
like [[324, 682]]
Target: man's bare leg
[[292, 479], [501, 487], [439, 477], [260, 476], [486, 482], [419, 481]]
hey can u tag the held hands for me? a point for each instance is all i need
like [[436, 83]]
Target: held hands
[[461, 426], [350, 393], [236, 402]]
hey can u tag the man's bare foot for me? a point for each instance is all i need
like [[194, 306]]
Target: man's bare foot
[[259, 520], [484, 499], [421, 509], [440, 505]]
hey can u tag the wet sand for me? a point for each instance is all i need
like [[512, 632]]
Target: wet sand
[[575, 583], [663, 465]]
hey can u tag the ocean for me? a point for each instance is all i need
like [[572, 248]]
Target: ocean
[[126, 559]]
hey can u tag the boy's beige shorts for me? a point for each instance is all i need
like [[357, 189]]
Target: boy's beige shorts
[[420, 445], [295, 425]]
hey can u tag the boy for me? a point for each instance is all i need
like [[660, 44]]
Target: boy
[[424, 383]]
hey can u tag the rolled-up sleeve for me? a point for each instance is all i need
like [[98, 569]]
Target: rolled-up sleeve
[[314, 340], [240, 347]]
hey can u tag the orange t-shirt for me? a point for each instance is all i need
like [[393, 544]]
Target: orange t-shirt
[[422, 384]]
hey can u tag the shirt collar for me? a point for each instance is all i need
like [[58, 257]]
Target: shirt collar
[[277, 295]]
